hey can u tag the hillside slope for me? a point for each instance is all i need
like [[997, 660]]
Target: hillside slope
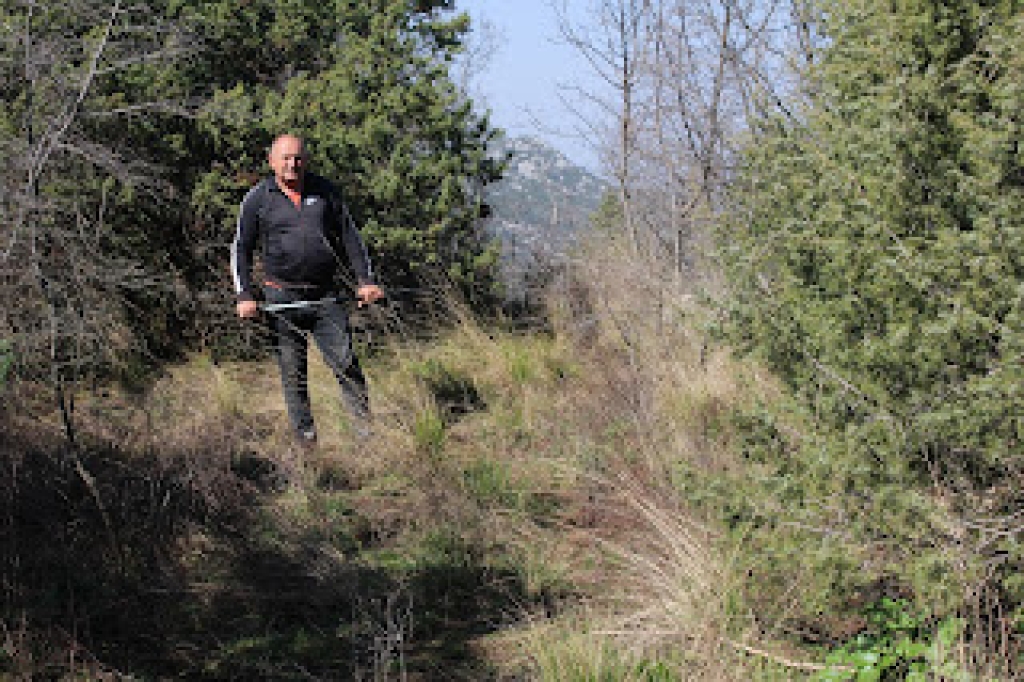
[[540, 207]]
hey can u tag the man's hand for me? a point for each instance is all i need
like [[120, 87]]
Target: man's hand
[[247, 309], [368, 293]]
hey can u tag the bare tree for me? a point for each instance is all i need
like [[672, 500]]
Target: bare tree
[[687, 77], [65, 130], [615, 46], [482, 45]]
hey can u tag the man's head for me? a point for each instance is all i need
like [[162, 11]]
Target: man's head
[[288, 160]]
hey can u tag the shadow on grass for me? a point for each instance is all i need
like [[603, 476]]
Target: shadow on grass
[[163, 567]]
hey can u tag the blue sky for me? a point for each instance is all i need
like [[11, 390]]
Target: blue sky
[[522, 81]]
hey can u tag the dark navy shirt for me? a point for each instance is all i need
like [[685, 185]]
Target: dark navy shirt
[[300, 244]]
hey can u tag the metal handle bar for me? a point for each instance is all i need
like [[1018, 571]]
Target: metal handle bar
[[275, 307]]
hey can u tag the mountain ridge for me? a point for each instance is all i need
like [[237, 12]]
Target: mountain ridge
[[539, 208]]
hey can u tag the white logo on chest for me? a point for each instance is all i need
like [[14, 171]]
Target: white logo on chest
[[310, 201]]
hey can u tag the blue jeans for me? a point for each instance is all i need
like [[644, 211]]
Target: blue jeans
[[328, 324]]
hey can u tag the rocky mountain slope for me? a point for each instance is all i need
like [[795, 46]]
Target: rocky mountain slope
[[540, 207]]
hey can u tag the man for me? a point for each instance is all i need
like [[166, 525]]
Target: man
[[303, 225]]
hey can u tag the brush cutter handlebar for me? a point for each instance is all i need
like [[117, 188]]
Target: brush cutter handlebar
[[297, 305], [277, 307]]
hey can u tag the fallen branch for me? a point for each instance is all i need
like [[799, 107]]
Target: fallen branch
[[785, 662]]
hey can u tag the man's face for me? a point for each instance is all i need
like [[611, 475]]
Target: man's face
[[288, 160]]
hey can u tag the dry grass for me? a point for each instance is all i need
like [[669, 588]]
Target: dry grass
[[560, 459], [519, 496]]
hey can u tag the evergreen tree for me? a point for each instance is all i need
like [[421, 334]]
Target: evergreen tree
[[375, 101], [876, 248], [876, 262]]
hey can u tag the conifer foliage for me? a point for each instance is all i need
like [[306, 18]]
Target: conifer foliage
[[877, 248], [368, 85]]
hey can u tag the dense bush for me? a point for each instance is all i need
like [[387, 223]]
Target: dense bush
[[876, 255]]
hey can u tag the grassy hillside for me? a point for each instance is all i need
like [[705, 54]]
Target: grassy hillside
[[550, 506]]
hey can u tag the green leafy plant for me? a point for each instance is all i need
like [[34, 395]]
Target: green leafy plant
[[871, 253], [899, 643]]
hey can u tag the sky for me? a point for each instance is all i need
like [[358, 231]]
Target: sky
[[528, 69]]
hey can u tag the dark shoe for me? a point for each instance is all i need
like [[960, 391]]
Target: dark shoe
[[307, 440]]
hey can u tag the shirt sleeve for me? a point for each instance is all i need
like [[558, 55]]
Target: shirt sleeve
[[355, 248], [246, 235]]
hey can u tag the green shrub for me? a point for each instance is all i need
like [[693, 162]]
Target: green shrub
[[874, 247], [899, 643]]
